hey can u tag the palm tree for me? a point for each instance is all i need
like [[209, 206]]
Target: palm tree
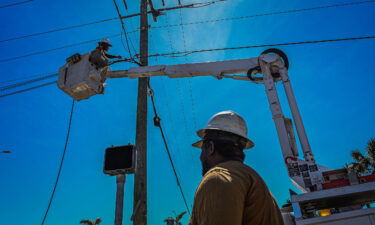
[[363, 164], [91, 222]]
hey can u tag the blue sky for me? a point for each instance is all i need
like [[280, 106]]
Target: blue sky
[[333, 84]]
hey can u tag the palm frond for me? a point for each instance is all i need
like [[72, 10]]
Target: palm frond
[[364, 164], [179, 216], [357, 155], [88, 222], [370, 149]]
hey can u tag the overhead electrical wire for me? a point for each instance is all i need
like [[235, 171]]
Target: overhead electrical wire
[[61, 163], [23, 78], [179, 91], [57, 30], [55, 49], [132, 33], [221, 49], [178, 84], [177, 81], [167, 106], [189, 79], [183, 53], [167, 149], [261, 46], [194, 5], [125, 4], [23, 83], [171, 25], [15, 4], [191, 23], [123, 29], [265, 14], [27, 89]]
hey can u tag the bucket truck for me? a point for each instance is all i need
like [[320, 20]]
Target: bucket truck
[[329, 197]]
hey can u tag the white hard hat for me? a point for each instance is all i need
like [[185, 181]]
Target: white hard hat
[[227, 121], [106, 41]]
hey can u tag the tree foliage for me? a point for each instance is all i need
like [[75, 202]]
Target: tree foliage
[[364, 164], [91, 222]]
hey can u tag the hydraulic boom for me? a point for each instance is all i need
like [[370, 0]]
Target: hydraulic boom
[[80, 79]]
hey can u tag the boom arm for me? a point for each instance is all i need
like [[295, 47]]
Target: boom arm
[[217, 69], [82, 79]]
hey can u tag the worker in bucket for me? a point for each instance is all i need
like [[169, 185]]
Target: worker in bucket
[[230, 193], [100, 57]]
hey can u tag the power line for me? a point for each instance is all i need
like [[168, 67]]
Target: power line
[[167, 150], [61, 163], [167, 106], [265, 14], [195, 5], [55, 49], [12, 86], [132, 32], [21, 78], [183, 114], [14, 4], [178, 83], [28, 89], [189, 79], [219, 49], [189, 86], [260, 46], [123, 28], [173, 25], [235, 48], [57, 30], [184, 53]]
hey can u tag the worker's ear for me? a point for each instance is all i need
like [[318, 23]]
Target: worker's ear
[[211, 148]]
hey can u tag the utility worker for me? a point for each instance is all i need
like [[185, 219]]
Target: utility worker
[[100, 57], [230, 193]]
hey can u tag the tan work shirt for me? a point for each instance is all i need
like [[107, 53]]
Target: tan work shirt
[[232, 193]]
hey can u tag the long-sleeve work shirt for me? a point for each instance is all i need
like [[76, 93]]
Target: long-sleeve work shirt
[[232, 193]]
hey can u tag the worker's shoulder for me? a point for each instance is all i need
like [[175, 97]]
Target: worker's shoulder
[[218, 180], [236, 171], [217, 174], [225, 171], [235, 167]]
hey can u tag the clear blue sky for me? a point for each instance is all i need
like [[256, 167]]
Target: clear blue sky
[[333, 84]]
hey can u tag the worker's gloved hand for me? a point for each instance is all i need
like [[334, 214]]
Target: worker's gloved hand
[[119, 57]]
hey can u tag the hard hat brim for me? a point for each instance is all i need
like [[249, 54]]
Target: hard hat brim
[[201, 133], [198, 144], [102, 42]]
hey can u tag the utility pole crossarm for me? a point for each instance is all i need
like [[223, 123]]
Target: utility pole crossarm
[[218, 69]]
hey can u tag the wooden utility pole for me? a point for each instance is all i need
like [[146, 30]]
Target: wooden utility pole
[[140, 180]]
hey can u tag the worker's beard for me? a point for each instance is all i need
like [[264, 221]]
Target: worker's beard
[[205, 165], [205, 169]]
